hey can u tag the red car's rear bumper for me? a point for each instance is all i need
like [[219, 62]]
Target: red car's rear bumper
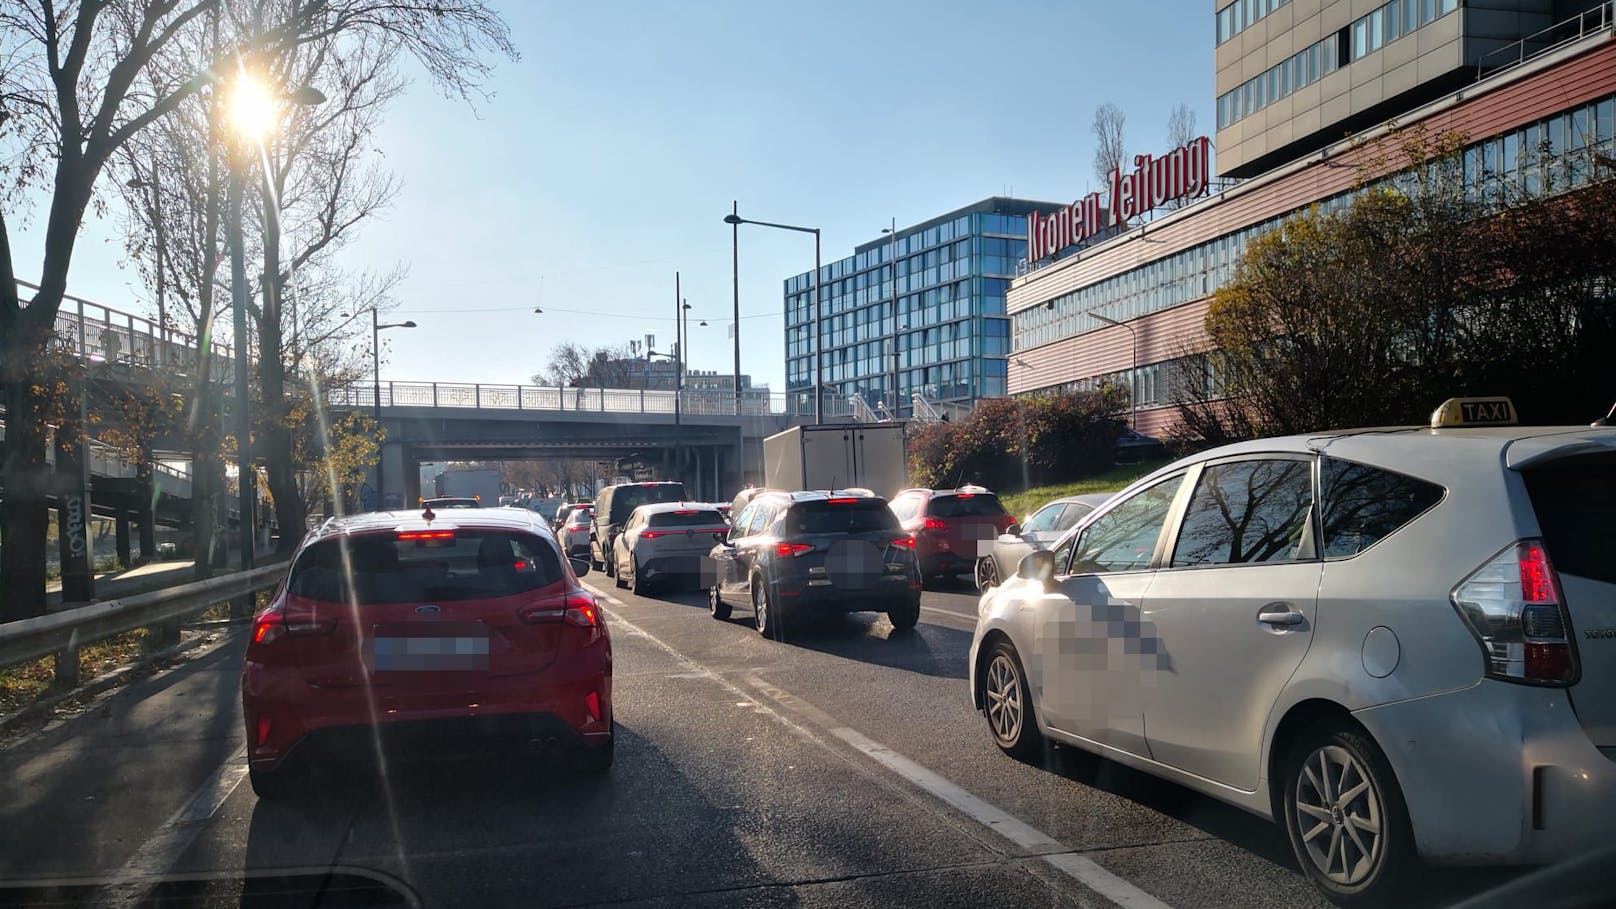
[[287, 717]]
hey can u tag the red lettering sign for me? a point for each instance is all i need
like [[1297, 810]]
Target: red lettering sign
[[1180, 174]]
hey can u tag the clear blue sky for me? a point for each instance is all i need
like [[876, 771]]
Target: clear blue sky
[[609, 155]]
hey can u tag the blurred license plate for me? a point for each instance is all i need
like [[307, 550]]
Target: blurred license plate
[[436, 654]]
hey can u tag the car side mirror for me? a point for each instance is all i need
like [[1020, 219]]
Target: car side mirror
[[1013, 530], [580, 567], [1038, 565]]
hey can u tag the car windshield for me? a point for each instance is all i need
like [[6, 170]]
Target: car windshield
[[840, 516], [379, 569], [1281, 333], [686, 517], [965, 505]]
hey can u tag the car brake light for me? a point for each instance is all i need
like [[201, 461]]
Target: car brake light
[[653, 534], [263, 730], [965, 495], [575, 609], [426, 535], [791, 550], [274, 623], [1514, 607], [935, 524], [904, 542], [268, 627], [842, 501], [687, 511], [592, 704]]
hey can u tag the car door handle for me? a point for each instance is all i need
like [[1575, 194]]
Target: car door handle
[[1280, 614]]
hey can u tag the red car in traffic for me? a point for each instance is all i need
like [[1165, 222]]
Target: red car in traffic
[[429, 631], [952, 528]]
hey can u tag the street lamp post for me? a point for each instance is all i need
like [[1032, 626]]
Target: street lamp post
[[819, 359], [735, 273], [253, 108], [892, 259], [376, 394], [1133, 367]]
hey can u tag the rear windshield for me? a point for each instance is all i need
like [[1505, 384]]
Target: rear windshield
[[687, 517], [859, 516], [453, 503], [968, 505], [376, 569], [628, 498], [1574, 499], [580, 515]]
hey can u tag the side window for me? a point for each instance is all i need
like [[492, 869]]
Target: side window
[[1124, 538], [1248, 511], [1363, 505], [760, 519], [744, 518], [1044, 519], [1071, 514]]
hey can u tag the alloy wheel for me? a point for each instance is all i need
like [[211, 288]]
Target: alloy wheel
[[987, 574], [1339, 815], [760, 607], [1004, 699]]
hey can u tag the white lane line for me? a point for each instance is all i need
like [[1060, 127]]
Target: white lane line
[[948, 612], [1050, 850], [1084, 870], [159, 853]]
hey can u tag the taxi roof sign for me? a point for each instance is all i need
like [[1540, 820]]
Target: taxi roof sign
[[1459, 412]]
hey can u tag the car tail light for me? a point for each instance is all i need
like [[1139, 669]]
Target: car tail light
[[576, 608], [1514, 607], [904, 542], [263, 731], [653, 534], [427, 535], [276, 622], [934, 524], [966, 495], [842, 501], [592, 704], [791, 550]]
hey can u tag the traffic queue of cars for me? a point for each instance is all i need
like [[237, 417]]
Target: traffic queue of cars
[[1397, 644]]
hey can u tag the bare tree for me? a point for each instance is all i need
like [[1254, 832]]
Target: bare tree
[[1180, 132], [1108, 146], [575, 366], [81, 79]]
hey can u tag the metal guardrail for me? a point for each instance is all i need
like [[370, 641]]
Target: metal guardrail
[[62, 633], [103, 334]]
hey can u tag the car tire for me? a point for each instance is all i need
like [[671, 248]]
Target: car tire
[[1352, 866], [716, 606], [270, 785], [608, 565], [1007, 704], [987, 574], [765, 611], [599, 758], [639, 586], [905, 616]]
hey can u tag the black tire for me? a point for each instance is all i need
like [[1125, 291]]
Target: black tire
[[1007, 704], [608, 565], [639, 586], [765, 610], [987, 574], [905, 615], [271, 785], [716, 606], [1353, 866], [599, 758], [615, 575]]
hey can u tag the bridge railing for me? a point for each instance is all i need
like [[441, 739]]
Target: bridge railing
[[478, 396], [92, 331]]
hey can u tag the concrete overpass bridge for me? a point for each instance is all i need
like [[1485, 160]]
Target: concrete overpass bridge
[[700, 437]]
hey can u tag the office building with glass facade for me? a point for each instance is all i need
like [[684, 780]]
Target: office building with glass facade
[[948, 337], [1529, 84]]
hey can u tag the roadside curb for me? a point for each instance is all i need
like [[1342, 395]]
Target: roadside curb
[[102, 682]]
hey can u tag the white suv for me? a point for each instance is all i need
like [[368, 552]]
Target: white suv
[[1400, 644]]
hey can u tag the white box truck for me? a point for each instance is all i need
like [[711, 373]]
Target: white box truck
[[838, 456], [482, 483]]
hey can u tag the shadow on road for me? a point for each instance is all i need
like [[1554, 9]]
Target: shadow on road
[[515, 830]]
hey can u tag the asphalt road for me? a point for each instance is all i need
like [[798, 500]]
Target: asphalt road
[[842, 768]]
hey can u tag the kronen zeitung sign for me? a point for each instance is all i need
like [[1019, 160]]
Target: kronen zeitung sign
[[1179, 174]]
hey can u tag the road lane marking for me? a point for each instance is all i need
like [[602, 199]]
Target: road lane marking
[[133, 882], [1030, 839]]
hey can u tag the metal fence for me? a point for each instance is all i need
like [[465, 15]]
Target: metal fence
[[1588, 22], [103, 334], [62, 633]]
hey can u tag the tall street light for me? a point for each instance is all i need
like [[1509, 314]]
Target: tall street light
[[254, 110], [1133, 367], [735, 274], [376, 393], [892, 258], [819, 358]]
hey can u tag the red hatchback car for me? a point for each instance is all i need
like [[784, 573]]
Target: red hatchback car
[[950, 526], [432, 629]]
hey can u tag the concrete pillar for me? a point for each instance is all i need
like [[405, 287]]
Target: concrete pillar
[[394, 469], [412, 482], [73, 515], [121, 530], [145, 517]]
